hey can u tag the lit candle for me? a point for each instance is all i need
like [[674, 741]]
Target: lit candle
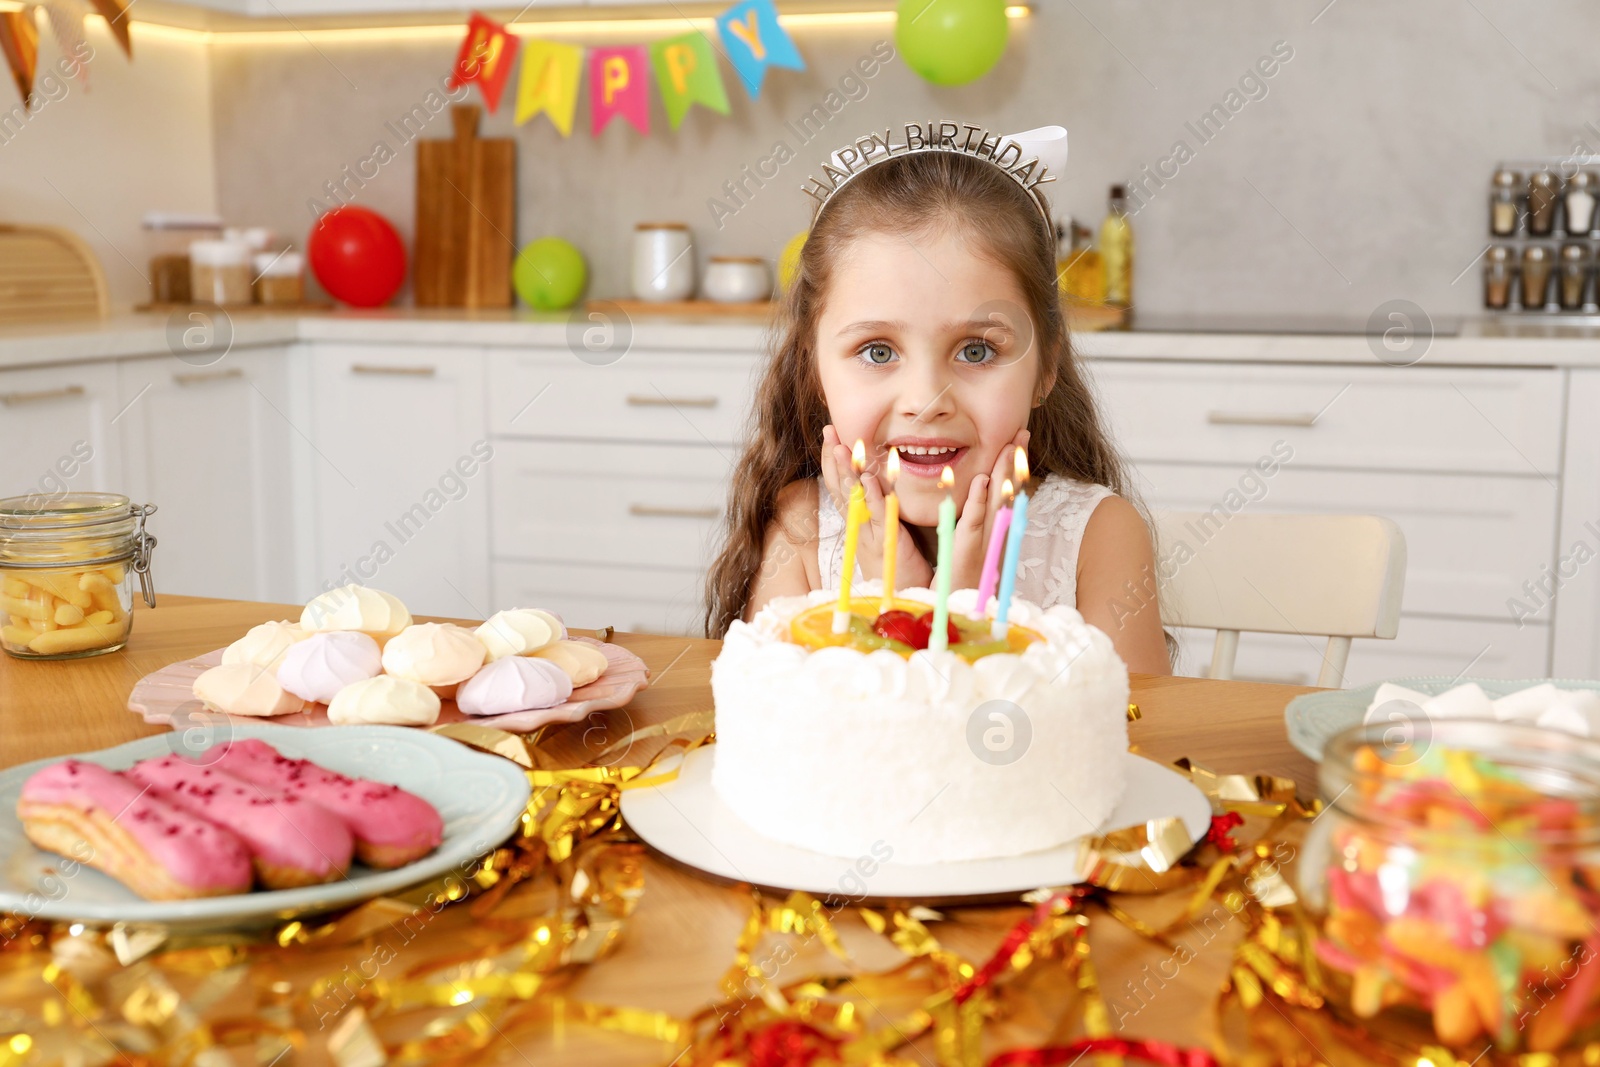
[[891, 529], [939, 640], [997, 542], [852, 533], [1019, 523]]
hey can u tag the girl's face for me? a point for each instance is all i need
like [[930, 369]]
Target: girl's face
[[925, 347]]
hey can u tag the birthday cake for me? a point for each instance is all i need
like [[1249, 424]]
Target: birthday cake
[[866, 742]]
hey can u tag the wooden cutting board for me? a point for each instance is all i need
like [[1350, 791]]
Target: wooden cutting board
[[466, 218]]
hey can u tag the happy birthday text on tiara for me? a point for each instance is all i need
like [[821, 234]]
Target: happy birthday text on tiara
[[872, 149]]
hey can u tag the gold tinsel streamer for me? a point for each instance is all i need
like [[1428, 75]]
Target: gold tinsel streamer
[[558, 896]]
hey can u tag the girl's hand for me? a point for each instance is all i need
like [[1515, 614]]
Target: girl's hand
[[977, 516], [911, 570]]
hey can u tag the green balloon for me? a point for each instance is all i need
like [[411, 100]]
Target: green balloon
[[549, 274], [951, 42]]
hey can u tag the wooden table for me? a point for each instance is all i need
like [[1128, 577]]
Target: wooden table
[[678, 944]]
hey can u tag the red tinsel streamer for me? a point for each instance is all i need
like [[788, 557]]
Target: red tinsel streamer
[[788, 1043], [1013, 941], [1161, 1052], [1221, 834]]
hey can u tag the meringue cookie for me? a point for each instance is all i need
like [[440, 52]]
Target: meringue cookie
[[355, 607], [385, 699], [264, 645], [438, 654], [520, 632], [244, 689], [318, 667], [583, 663], [514, 683]]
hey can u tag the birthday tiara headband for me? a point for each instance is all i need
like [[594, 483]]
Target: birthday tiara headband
[[1031, 158]]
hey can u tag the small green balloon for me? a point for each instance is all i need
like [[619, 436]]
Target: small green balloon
[[951, 42], [549, 274]]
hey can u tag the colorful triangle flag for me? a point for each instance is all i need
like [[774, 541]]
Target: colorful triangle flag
[[686, 72], [754, 40], [550, 75], [618, 86], [486, 57]]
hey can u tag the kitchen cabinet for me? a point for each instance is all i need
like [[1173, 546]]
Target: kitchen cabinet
[[611, 480], [1466, 460], [1574, 573], [58, 430], [209, 445], [396, 455]]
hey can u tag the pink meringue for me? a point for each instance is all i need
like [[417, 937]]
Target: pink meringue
[[514, 683], [324, 663]]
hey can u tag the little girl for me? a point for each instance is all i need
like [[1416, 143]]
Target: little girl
[[924, 318]]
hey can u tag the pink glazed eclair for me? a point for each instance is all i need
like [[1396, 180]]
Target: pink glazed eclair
[[391, 827], [133, 833], [292, 841]]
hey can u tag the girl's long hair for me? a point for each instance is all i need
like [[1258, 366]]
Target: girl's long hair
[[916, 194]]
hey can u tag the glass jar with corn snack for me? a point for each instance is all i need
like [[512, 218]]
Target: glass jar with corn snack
[[67, 567], [1454, 887]]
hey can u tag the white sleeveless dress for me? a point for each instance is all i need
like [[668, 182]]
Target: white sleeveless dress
[[1047, 569]]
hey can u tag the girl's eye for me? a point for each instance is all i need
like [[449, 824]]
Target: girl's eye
[[976, 353], [876, 354]]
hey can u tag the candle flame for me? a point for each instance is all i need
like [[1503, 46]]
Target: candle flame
[[1020, 466], [1007, 491], [947, 478], [858, 456], [891, 469]]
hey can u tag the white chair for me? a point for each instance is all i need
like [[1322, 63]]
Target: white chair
[[1333, 576]]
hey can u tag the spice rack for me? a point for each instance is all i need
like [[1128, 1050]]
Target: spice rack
[[1544, 227]]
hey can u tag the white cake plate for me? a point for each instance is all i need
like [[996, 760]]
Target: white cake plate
[[686, 821]]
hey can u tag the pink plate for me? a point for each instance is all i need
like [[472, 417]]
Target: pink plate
[[162, 696]]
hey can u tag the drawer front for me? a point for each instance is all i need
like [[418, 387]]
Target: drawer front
[[1397, 418], [654, 396], [655, 506], [1471, 540], [636, 599], [1424, 646], [59, 431]]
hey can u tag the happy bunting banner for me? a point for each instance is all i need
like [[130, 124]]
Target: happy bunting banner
[[486, 58], [550, 75], [686, 71], [753, 41], [619, 85]]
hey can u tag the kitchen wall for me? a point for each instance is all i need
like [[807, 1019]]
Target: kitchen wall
[[1355, 173], [95, 154]]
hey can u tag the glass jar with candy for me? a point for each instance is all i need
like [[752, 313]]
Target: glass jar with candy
[[67, 564], [1454, 885]]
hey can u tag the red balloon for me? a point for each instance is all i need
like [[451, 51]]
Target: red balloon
[[357, 256]]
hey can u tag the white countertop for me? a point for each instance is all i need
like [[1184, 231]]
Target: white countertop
[[1475, 342]]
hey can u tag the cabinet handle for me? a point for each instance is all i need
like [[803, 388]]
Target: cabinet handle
[[9, 399], [1247, 418], [650, 511], [201, 377], [637, 401], [375, 368]]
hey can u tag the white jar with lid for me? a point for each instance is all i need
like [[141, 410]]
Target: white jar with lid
[[219, 272], [737, 280], [663, 262]]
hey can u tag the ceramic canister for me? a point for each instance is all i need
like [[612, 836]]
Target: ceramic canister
[[663, 262]]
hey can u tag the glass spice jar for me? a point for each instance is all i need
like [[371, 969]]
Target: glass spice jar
[[1574, 279], [1579, 203], [1498, 270], [1536, 272], [1504, 189], [1542, 191], [1453, 885], [67, 563]]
